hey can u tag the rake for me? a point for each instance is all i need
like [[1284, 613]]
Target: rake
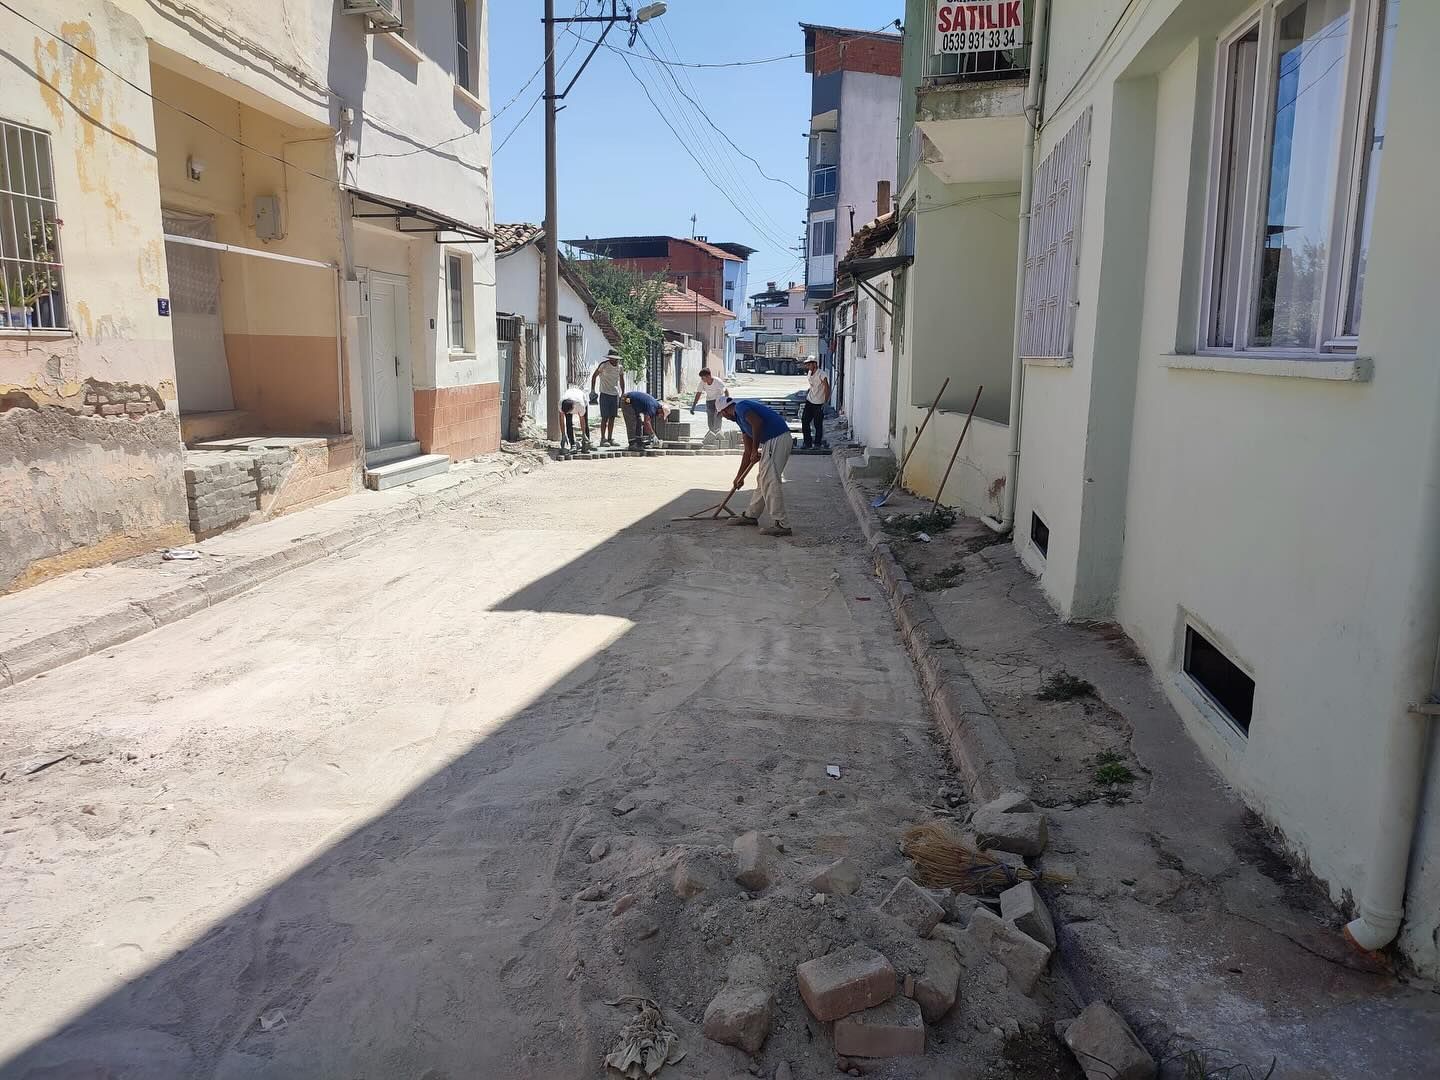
[[880, 500]]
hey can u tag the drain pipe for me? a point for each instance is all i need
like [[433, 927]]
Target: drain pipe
[[1034, 90], [1382, 904]]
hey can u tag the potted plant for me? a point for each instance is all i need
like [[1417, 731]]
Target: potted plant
[[23, 294]]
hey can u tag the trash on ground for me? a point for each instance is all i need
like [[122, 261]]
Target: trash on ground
[[179, 554], [924, 538], [272, 1020], [832, 771], [646, 1044]]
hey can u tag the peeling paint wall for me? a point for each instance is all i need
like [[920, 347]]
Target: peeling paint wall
[[90, 454]]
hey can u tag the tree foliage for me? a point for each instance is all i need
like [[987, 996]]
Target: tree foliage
[[630, 301]]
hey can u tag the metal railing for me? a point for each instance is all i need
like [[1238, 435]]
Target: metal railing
[[944, 68]]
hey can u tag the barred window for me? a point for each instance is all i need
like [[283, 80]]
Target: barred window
[[32, 289]]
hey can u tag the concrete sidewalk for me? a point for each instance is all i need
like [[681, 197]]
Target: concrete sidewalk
[[87, 611], [1185, 912]]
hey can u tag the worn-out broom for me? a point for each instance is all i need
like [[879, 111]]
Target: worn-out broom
[[946, 860]]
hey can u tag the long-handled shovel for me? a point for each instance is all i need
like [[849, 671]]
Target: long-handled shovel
[[935, 507], [880, 500]]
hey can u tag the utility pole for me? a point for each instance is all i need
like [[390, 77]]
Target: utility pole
[[552, 193], [552, 239]]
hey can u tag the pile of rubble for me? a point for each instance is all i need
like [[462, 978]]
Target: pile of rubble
[[910, 972]]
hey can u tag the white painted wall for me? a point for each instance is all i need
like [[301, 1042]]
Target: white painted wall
[[517, 292], [868, 363], [1293, 518], [869, 123]]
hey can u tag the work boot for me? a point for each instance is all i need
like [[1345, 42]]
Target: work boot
[[743, 519], [776, 530]]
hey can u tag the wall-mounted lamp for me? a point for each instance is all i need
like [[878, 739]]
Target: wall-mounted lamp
[[194, 168]]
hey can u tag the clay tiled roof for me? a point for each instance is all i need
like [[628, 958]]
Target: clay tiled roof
[[710, 249], [675, 301], [872, 237], [510, 238]]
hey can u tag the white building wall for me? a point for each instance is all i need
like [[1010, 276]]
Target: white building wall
[[1292, 518], [869, 126]]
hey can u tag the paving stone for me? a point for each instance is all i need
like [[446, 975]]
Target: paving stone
[[840, 878], [1021, 955], [1022, 833], [1010, 802], [1106, 1047], [690, 878], [894, 1029], [959, 906], [1022, 906], [913, 906], [756, 861], [740, 1016], [844, 982], [937, 987]]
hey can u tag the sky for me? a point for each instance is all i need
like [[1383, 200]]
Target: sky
[[622, 171]]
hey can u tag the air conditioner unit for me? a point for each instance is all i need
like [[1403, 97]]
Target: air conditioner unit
[[384, 14]]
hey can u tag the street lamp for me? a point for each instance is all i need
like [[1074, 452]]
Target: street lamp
[[618, 13]]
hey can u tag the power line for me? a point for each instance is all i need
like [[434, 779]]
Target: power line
[[701, 109], [715, 162], [649, 97], [840, 46], [720, 161]]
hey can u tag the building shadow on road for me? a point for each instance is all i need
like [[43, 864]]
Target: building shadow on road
[[435, 939]]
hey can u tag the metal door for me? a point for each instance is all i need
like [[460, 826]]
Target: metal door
[[391, 402], [202, 372]]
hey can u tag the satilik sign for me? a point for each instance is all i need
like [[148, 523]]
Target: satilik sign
[[979, 26]]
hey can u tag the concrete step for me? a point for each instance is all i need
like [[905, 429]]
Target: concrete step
[[384, 455], [406, 471]]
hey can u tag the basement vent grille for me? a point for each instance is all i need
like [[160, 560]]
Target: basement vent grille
[[1040, 535], [1229, 689], [1057, 206]]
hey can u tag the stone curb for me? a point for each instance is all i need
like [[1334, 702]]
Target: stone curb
[[982, 754], [122, 624]]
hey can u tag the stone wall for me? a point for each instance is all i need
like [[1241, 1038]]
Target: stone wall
[[89, 483]]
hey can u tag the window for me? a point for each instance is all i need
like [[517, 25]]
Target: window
[[1227, 687], [799, 326], [455, 296], [32, 287], [824, 182], [1300, 130], [464, 47], [777, 324], [574, 353], [882, 330], [822, 238]]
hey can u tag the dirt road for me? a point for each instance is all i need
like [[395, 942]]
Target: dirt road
[[336, 827]]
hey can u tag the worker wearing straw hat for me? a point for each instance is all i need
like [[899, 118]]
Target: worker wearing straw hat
[[768, 441]]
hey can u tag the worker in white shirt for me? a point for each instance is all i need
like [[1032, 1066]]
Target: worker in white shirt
[[573, 403], [712, 390], [816, 398]]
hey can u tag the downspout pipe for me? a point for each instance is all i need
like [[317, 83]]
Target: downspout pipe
[[1034, 91], [1382, 904]]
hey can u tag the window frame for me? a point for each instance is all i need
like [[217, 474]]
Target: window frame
[[49, 209], [1361, 64], [467, 44], [455, 260], [824, 172]]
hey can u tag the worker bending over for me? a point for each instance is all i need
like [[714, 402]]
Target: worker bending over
[[641, 411], [767, 440]]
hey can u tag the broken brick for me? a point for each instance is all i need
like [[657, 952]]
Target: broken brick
[[1022, 833], [894, 1029], [938, 985], [913, 906], [755, 860], [1021, 955], [1106, 1047], [840, 878], [844, 982], [1022, 905]]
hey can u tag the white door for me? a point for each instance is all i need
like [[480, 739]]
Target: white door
[[202, 373], [391, 405]]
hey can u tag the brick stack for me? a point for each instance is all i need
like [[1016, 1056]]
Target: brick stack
[[223, 488]]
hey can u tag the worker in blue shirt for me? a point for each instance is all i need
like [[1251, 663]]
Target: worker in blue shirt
[[768, 441], [641, 411]]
